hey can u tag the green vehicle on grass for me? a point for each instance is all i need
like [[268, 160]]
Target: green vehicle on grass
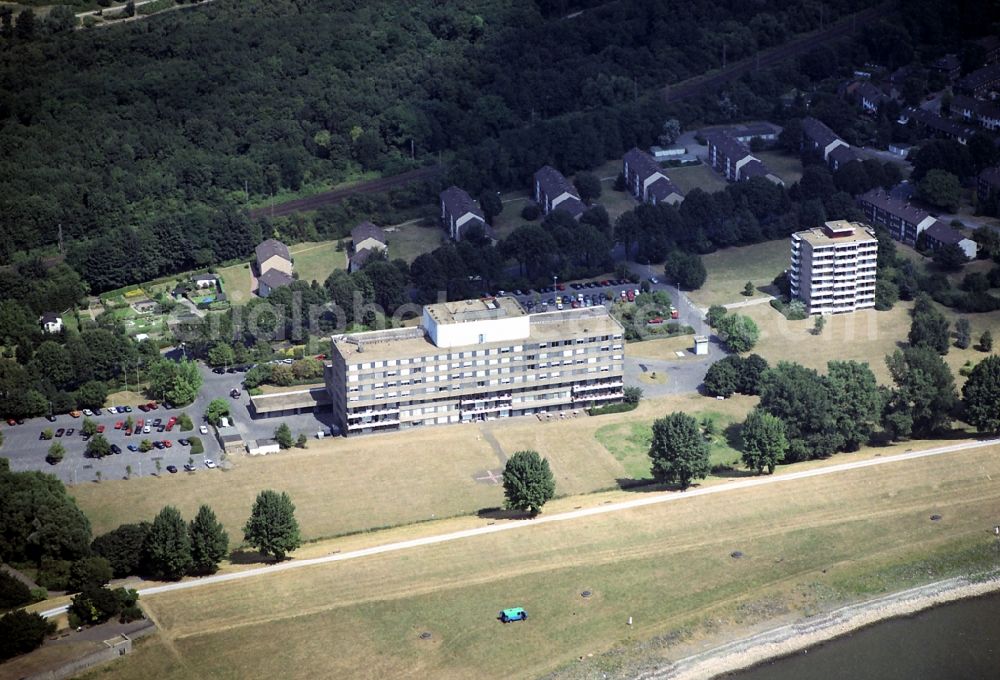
[[513, 614]]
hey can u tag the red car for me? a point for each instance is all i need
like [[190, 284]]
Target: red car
[[100, 429], [152, 406], [119, 425], [560, 286], [128, 431], [167, 443], [11, 422], [143, 407], [139, 423], [630, 295]]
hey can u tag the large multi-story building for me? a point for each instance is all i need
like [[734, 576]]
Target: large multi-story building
[[833, 267], [475, 360]]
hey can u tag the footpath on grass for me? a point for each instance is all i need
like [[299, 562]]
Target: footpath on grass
[[652, 499]]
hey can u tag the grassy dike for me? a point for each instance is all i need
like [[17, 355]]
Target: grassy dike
[[806, 545]]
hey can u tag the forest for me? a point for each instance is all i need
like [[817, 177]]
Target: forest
[[142, 144]]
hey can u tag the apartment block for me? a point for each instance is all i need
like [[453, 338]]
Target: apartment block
[[475, 360], [833, 267]]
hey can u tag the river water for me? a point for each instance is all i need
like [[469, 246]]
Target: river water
[[956, 641]]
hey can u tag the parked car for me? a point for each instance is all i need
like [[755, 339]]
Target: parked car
[[11, 422], [50, 418], [210, 464], [128, 409], [234, 393], [87, 412], [172, 469], [167, 405], [183, 442], [139, 423], [147, 429], [128, 431], [75, 414], [132, 447], [167, 443], [158, 444], [60, 432], [653, 280], [115, 448], [189, 468], [119, 424], [203, 429], [513, 614], [97, 411], [100, 429], [219, 370], [143, 408], [70, 431], [161, 428], [157, 422], [152, 406]]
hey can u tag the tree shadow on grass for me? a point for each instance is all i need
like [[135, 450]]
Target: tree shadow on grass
[[250, 557], [500, 513], [734, 435]]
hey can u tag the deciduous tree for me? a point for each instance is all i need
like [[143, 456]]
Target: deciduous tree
[[981, 395], [678, 451], [272, 528], [167, 550], [209, 541], [528, 482], [764, 441]]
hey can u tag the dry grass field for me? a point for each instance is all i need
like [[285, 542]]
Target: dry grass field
[[664, 349], [347, 485], [865, 335], [806, 545], [729, 270]]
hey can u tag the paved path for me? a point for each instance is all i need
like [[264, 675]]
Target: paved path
[[750, 303], [645, 500], [492, 441]]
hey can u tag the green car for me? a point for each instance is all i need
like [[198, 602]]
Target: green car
[[513, 614]]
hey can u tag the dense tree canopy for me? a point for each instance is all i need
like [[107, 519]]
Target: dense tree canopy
[[678, 450], [528, 483]]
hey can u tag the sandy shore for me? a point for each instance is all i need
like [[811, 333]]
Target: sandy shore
[[794, 637]]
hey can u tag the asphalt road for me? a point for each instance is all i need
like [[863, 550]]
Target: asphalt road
[[643, 501]]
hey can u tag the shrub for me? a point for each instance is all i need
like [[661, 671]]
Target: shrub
[[54, 574], [530, 212], [13, 593], [184, 421], [608, 409], [21, 632], [196, 445]]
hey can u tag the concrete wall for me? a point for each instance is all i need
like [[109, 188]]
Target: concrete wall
[[115, 648]]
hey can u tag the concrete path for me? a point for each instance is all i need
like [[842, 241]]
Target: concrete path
[[645, 500], [752, 302]]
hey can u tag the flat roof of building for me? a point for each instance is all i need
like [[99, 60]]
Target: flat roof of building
[[543, 327], [838, 231], [295, 398], [463, 311]]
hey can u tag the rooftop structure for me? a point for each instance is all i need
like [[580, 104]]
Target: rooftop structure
[[459, 212], [552, 191]]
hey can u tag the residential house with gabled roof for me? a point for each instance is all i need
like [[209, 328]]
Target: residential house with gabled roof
[[646, 181], [936, 125], [904, 221], [939, 235], [51, 322], [980, 81], [459, 212], [271, 280], [820, 139], [272, 256], [870, 97], [983, 113], [552, 191], [733, 159], [367, 241]]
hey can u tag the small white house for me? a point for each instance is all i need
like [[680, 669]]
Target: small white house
[[701, 344], [51, 322], [262, 447]]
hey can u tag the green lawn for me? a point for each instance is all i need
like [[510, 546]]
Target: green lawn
[[696, 176], [510, 219], [785, 166], [315, 261], [410, 240], [729, 270], [629, 443], [236, 282]]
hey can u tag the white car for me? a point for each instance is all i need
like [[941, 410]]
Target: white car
[[146, 430], [203, 429], [87, 412], [210, 464]]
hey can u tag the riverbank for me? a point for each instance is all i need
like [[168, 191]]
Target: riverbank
[[794, 637]]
